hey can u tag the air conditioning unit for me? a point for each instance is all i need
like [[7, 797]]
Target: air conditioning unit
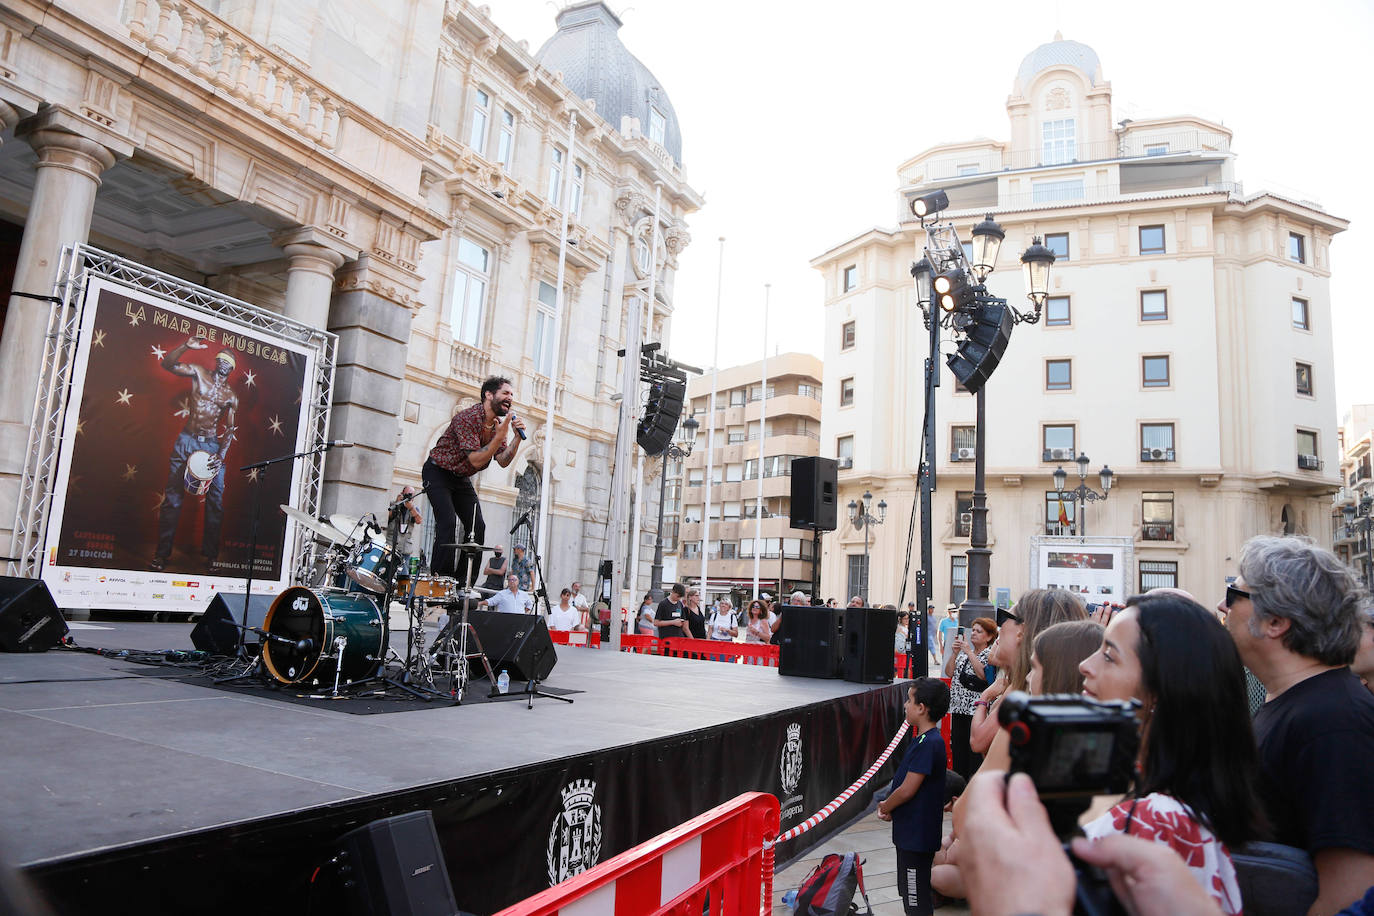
[[844, 463], [1309, 462], [965, 519], [961, 454], [1156, 454], [1058, 454]]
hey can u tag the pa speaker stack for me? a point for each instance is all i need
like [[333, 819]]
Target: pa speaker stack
[[29, 618], [981, 350], [810, 642], [661, 414], [870, 635]]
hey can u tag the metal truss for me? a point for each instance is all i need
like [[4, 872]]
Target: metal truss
[[78, 266]]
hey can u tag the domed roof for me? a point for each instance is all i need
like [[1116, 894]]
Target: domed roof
[[1058, 53], [596, 65]]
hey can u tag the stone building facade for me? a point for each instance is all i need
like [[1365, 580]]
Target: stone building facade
[[389, 173], [1187, 344]]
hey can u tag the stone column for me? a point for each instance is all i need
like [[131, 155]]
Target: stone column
[[65, 183], [310, 274], [371, 314]]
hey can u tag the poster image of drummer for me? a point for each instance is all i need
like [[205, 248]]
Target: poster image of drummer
[[150, 510]]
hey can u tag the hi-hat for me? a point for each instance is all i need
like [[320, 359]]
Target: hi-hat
[[318, 525], [468, 546]]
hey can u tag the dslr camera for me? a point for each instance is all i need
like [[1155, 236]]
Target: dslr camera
[[1074, 748]]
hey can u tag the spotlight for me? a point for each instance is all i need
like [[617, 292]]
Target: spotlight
[[930, 203], [953, 290]]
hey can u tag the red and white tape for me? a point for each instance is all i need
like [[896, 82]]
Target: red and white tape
[[844, 796]]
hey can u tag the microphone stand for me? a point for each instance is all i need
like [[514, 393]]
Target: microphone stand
[[532, 684], [241, 650]]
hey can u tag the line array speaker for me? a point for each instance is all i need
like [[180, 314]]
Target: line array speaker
[[29, 618]]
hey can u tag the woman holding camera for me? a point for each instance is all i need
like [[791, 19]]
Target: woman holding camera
[[1198, 770], [969, 675]]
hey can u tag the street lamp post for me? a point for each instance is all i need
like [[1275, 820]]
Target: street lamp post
[[1082, 494], [677, 452], [1365, 515], [861, 517], [952, 293]]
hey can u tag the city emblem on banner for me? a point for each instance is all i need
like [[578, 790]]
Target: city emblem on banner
[[575, 838], [790, 769]]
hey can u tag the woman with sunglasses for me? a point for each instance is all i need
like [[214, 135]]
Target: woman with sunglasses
[[1196, 788], [758, 628]]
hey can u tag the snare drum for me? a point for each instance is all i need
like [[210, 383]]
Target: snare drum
[[375, 568], [439, 588], [312, 619], [199, 473]]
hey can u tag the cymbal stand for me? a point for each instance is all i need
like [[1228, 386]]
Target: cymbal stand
[[455, 649]]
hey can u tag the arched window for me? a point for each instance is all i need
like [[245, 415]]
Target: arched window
[[526, 500]]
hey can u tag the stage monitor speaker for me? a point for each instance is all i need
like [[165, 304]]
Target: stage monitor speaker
[[395, 866], [870, 635], [810, 644], [813, 494], [519, 643], [215, 632], [29, 618]]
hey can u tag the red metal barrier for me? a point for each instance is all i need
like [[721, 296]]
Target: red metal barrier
[[644, 645], [721, 650], [721, 853], [576, 638]]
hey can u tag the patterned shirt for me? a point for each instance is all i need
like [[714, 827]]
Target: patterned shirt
[[1164, 819], [465, 434], [523, 569]]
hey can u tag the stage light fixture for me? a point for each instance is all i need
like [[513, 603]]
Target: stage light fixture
[[927, 204], [954, 290]]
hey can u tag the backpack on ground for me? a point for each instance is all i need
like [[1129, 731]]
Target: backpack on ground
[[829, 889]]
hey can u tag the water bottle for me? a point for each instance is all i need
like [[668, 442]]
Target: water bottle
[[789, 899], [414, 567], [502, 681]]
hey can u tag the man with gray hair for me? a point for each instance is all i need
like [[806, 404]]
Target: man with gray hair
[[1294, 614]]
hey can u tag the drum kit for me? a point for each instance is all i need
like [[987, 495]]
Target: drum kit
[[335, 626]]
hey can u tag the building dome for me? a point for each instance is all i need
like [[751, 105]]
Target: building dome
[[596, 65], [1058, 53]]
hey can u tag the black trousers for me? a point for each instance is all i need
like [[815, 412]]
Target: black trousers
[[962, 756], [453, 499], [913, 881]]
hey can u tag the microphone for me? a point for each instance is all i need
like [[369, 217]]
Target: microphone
[[524, 519], [301, 645], [519, 432], [338, 443]]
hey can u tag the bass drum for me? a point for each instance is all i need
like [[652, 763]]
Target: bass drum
[[313, 620]]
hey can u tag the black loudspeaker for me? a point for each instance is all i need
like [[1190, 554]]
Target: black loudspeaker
[[813, 494], [661, 413], [810, 645], [215, 632], [395, 866], [519, 643], [870, 635], [29, 618], [982, 347]]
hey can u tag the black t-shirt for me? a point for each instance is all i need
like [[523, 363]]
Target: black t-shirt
[[667, 610], [697, 621], [1316, 740]]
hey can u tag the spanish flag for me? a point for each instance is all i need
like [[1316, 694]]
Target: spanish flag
[[1063, 514]]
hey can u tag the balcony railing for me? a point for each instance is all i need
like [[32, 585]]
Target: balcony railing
[[1143, 145], [1158, 531]]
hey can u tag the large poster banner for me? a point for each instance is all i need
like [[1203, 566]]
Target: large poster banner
[[1098, 569], [149, 509]]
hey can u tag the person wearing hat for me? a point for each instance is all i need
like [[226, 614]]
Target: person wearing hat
[[948, 626], [211, 403]]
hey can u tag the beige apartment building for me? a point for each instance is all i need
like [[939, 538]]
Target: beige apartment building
[[394, 175], [1186, 344], [1351, 534], [756, 433]]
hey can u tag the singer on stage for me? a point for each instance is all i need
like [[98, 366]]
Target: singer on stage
[[474, 438]]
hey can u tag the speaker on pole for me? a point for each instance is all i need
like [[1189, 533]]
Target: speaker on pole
[[869, 641], [216, 631], [814, 497], [395, 866], [520, 643], [810, 645], [29, 618]]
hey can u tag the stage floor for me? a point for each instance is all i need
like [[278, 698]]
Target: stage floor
[[99, 752]]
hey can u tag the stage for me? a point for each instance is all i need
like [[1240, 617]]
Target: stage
[[126, 785]]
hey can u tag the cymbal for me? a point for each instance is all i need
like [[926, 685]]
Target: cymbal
[[321, 527], [465, 546], [353, 526]]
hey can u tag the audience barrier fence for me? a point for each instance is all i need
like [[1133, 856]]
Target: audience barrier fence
[[721, 650], [576, 638], [722, 859]]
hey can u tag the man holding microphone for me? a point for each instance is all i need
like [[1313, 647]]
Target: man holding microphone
[[474, 437]]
